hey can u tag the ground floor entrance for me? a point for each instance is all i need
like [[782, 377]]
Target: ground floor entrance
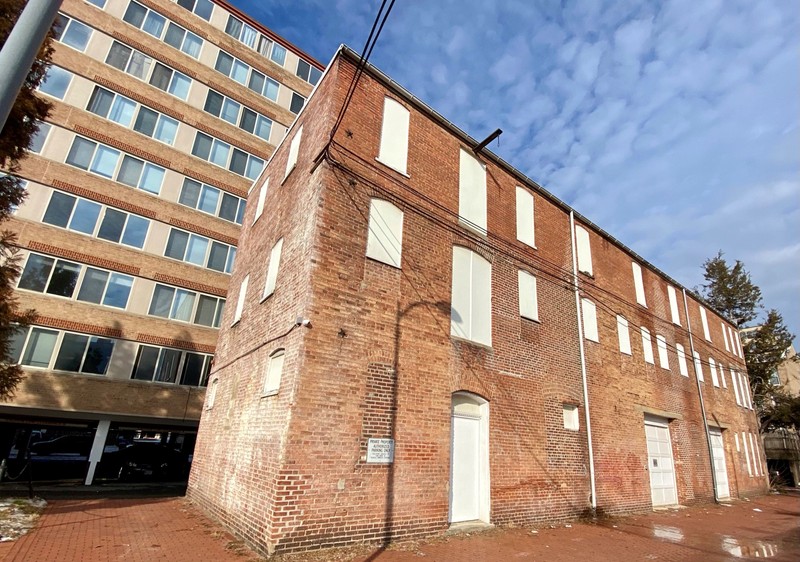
[[469, 468], [660, 463], [720, 467]]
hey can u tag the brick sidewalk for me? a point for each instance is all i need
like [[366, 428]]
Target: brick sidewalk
[[170, 529]]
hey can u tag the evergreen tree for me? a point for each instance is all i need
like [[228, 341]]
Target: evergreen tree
[[730, 290], [20, 128]]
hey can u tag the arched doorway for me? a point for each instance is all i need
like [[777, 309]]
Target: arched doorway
[[469, 459]]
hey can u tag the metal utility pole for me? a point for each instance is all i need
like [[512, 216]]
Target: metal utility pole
[[19, 51]]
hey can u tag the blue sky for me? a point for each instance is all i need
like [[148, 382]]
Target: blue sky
[[673, 125]]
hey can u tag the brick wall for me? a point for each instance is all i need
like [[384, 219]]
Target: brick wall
[[289, 472]]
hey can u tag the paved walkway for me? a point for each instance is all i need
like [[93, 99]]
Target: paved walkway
[[172, 530]]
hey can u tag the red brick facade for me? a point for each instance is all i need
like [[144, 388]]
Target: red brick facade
[[289, 471]]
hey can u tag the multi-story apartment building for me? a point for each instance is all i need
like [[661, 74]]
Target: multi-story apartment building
[[164, 112], [420, 337]]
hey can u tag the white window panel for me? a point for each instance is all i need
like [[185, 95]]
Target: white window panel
[[272, 381], [647, 346], [394, 135], [744, 387], [663, 357], [638, 283], [472, 191], [673, 305], [725, 336], [528, 299], [262, 195], [272, 269], [704, 321], [589, 320], [571, 419], [753, 453], [624, 336], [385, 232], [721, 370], [212, 393], [735, 385], [733, 343], [736, 438], [525, 217], [746, 453], [294, 149], [712, 366], [471, 301], [584, 250], [698, 367], [739, 344], [240, 301]]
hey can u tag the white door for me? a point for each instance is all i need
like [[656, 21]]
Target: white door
[[466, 469], [659, 462], [720, 469]]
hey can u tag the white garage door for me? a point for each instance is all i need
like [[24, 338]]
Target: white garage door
[[659, 462]]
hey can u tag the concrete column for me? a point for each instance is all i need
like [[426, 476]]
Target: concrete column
[[20, 50], [98, 445]]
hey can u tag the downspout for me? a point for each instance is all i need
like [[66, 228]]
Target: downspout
[[700, 394], [593, 497]]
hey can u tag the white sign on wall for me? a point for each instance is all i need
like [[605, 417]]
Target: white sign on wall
[[380, 451]]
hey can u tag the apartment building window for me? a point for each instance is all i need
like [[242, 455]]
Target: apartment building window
[[638, 284], [186, 306], [704, 322], [202, 8], [56, 81], [199, 250], [77, 353], [673, 305], [589, 313], [683, 367], [472, 192], [272, 381], [698, 367], [528, 298], [105, 161], [40, 137], [310, 74], [271, 278], [212, 201], [99, 3], [238, 115], [141, 66], [241, 72], [121, 110], [584, 250], [394, 135], [162, 364], [237, 315], [663, 357], [63, 278], [624, 336], [297, 103], [72, 32], [161, 28], [294, 151], [385, 232], [526, 232], [471, 301], [223, 155], [248, 35], [647, 346], [84, 216]]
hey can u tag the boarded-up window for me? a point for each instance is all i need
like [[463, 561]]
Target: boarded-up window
[[712, 366], [272, 269], [735, 386], [725, 336], [472, 192], [525, 218], [528, 299], [663, 358], [240, 301], [682, 366], [647, 346], [589, 320], [704, 321], [638, 284], [394, 135], [385, 235], [272, 379], [673, 305], [698, 367], [294, 149], [471, 305], [262, 196], [584, 250], [624, 335]]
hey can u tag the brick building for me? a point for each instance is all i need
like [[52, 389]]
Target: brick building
[[403, 350], [164, 113]]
